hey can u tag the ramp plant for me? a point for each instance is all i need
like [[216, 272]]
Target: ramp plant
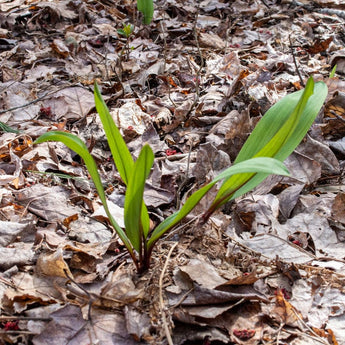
[[274, 138]]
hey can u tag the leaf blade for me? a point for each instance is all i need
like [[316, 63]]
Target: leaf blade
[[136, 216], [78, 146], [277, 115], [258, 164], [299, 110], [121, 155]]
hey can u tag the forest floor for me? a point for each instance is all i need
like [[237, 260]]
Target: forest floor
[[269, 268]]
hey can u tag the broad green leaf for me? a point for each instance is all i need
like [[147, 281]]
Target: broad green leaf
[[276, 117], [146, 8], [270, 149], [121, 155], [75, 144], [255, 165], [277, 134], [136, 217], [286, 131]]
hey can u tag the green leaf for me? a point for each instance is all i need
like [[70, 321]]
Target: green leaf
[[121, 155], [6, 128], [332, 74], [121, 32], [136, 217], [277, 116], [278, 141], [75, 144], [146, 8], [254, 165], [277, 134], [126, 31]]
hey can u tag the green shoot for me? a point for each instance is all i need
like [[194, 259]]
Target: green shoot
[[274, 138], [146, 8], [126, 31], [332, 74], [6, 128]]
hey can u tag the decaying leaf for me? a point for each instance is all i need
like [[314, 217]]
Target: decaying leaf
[[53, 265]]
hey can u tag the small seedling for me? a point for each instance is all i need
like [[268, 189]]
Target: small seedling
[[126, 31], [274, 138]]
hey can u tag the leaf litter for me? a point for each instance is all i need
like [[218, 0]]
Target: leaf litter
[[269, 268]]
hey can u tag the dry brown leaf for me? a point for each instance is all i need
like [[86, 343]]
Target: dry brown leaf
[[285, 312], [245, 279], [53, 265]]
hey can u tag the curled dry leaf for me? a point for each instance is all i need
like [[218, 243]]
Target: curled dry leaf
[[53, 265]]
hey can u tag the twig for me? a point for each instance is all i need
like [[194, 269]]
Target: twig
[[314, 257], [184, 296], [28, 204], [338, 117], [165, 59], [278, 333], [318, 339], [309, 329], [295, 62], [106, 58], [185, 180], [16, 332], [91, 298], [177, 157], [332, 12], [265, 3], [198, 72], [5, 281], [35, 100], [197, 82], [181, 227], [165, 45], [161, 301], [10, 318]]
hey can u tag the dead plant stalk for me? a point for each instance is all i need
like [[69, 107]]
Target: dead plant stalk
[[161, 300]]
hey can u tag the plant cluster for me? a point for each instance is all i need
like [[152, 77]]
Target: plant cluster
[[274, 138]]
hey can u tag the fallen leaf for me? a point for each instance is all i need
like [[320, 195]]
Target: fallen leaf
[[53, 265]]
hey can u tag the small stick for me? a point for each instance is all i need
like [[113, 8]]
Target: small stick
[[185, 180], [9, 318], [165, 61], [161, 301], [197, 81], [318, 338], [35, 100], [177, 157], [295, 62], [91, 299]]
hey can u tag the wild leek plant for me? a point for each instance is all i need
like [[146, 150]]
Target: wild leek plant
[[274, 138]]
